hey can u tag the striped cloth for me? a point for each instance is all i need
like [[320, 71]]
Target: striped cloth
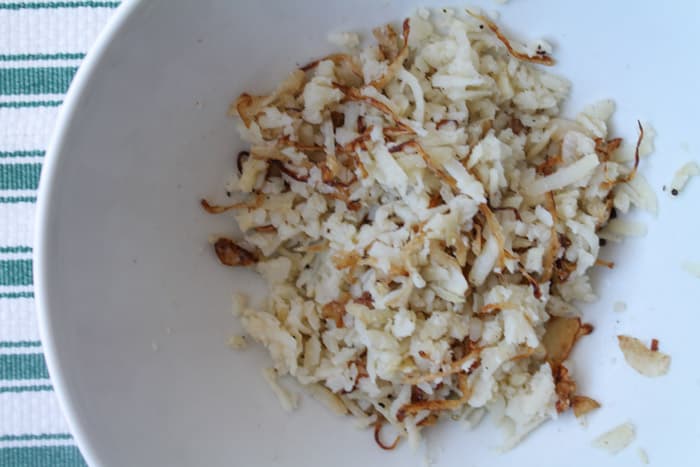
[[41, 47]]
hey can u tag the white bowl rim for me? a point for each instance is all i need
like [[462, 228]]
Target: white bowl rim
[[78, 87]]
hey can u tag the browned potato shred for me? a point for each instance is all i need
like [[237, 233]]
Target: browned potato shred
[[335, 311], [437, 405], [540, 59], [561, 335], [230, 254], [214, 209], [565, 387], [582, 405], [378, 437], [397, 62]]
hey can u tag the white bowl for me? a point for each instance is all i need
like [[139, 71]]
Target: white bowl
[[135, 310]]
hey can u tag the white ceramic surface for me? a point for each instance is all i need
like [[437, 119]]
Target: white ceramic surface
[[123, 266]]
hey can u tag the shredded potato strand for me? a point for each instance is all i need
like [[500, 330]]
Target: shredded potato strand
[[337, 59], [378, 435], [497, 232], [441, 404], [553, 247], [455, 367], [540, 59]]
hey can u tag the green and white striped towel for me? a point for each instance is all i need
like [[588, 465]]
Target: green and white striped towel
[[41, 47]]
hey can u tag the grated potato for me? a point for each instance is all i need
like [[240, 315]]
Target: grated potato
[[421, 213]]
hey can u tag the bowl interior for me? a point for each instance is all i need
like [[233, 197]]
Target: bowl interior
[[135, 308]]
